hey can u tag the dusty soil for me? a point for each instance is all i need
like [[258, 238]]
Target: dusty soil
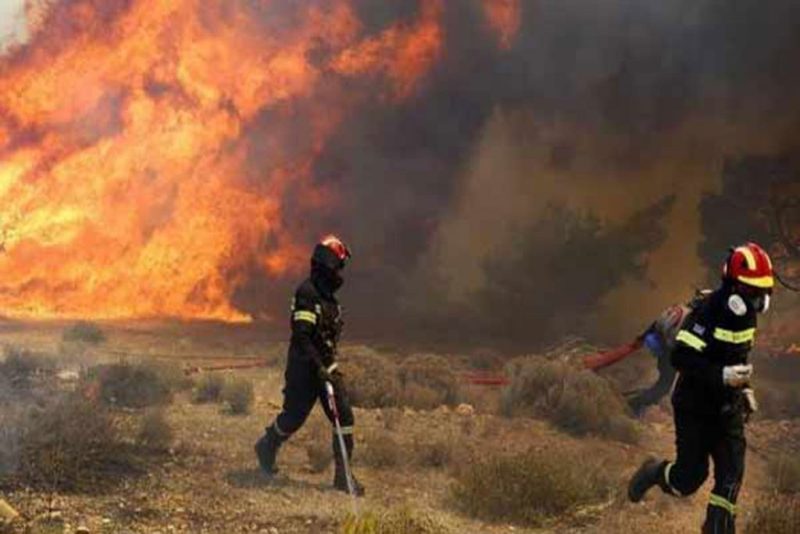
[[209, 483]]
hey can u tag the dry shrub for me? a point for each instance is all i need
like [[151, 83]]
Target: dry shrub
[[20, 366], [71, 445], [12, 419], [428, 382], [435, 454], [421, 397], [380, 450], [371, 378], [131, 385], [574, 399], [208, 388], [172, 374], [318, 448], [403, 520], [84, 332], [155, 432], [392, 418], [785, 473], [530, 488], [238, 395], [778, 401], [776, 514]]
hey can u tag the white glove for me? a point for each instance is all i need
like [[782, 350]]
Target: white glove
[[737, 376]]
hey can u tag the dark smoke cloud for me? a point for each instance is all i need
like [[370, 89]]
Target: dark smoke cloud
[[530, 183]]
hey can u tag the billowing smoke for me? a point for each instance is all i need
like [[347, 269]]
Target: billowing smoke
[[472, 206], [536, 173]]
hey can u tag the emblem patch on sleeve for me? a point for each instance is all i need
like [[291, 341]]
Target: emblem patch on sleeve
[[737, 305], [699, 329]]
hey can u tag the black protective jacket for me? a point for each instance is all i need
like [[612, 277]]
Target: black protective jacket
[[316, 324], [720, 332]]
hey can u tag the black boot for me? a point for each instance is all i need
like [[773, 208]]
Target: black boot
[[645, 478], [340, 476], [340, 481], [267, 450]]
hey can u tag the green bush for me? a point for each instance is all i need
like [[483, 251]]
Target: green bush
[[84, 332], [238, 395], [776, 514], [208, 388], [530, 488], [131, 385], [403, 520], [576, 400]]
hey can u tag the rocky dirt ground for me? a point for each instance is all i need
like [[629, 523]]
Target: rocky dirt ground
[[208, 482]]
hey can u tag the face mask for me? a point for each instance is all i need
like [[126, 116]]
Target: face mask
[[763, 304], [760, 303]]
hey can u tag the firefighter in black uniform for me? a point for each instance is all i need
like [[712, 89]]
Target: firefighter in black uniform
[[316, 326], [712, 397]]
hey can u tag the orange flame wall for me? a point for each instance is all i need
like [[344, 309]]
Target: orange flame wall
[[127, 179]]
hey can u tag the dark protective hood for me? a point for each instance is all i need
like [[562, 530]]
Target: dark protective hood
[[326, 280]]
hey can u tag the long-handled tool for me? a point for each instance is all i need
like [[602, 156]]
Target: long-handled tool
[[342, 448]]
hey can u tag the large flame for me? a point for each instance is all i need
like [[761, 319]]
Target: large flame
[[129, 184]]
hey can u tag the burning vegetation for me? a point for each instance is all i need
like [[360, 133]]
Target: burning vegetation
[[510, 174]]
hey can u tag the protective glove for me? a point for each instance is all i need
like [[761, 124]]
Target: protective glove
[[737, 376], [330, 373]]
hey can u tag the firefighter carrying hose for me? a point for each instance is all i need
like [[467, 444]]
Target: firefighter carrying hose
[[713, 398], [316, 326]]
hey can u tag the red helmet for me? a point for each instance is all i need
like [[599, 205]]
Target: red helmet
[[331, 252], [750, 265]]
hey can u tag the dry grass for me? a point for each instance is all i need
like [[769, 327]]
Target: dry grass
[[155, 432], [778, 401], [437, 452], [238, 395], [784, 470], [775, 515], [575, 400], [380, 450], [530, 488], [401, 520]]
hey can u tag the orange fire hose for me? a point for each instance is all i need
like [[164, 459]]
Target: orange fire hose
[[600, 360]]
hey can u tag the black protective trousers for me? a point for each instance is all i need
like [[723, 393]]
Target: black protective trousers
[[698, 438], [302, 390]]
